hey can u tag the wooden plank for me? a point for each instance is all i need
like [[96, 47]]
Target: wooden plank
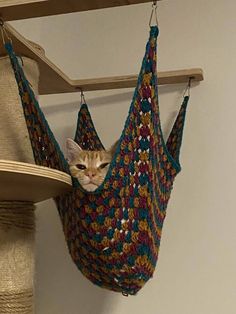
[[128, 81], [23, 9], [54, 81], [26, 182], [118, 82]]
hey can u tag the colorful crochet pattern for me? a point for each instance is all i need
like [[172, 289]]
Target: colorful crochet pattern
[[114, 233]]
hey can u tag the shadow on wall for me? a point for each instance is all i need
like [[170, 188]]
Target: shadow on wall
[[59, 276]]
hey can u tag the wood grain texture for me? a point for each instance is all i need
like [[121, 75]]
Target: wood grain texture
[[128, 81], [23, 9], [54, 81], [27, 182], [51, 77]]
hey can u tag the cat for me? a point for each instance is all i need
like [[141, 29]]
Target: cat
[[89, 167]]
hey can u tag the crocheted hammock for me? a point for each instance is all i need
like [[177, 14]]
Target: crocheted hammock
[[113, 234]]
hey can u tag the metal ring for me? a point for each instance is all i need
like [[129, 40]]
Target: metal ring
[[4, 32], [82, 100], [154, 10], [154, 4], [188, 87]]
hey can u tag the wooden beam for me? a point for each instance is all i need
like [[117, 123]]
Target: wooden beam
[[117, 82], [23, 9], [128, 81], [54, 81]]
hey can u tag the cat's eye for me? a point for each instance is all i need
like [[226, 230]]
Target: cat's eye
[[104, 165], [81, 167]]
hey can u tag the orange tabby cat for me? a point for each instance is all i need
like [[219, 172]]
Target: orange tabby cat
[[89, 167]]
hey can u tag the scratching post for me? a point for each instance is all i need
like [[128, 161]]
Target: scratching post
[[17, 219], [16, 257], [14, 139]]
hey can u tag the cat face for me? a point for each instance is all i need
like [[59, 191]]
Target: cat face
[[89, 167]]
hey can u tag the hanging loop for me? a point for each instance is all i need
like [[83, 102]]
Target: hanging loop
[[82, 100], [154, 12], [4, 33], [188, 87]]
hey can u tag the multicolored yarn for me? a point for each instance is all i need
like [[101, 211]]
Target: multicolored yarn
[[114, 233]]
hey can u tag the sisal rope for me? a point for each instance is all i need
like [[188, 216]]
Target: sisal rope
[[17, 219], [16, 303], [17, 225]]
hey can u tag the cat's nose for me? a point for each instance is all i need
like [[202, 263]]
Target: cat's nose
[[91, 174]]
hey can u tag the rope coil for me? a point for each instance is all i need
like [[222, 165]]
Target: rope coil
[[16, 303], [17, 225]]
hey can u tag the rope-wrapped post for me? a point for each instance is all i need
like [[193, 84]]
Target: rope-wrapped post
[[17, 219], [17, 232]]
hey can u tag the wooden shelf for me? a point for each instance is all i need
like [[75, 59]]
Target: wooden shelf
[[54, 81], [27, 182], [23, 9], [127, 81]]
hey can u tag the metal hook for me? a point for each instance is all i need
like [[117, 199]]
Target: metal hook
[[82, 100], [4, 32], [188, 87], [154, 10], [154, 4]]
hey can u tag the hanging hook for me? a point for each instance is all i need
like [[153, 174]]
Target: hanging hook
[[154, 4], [154, 11], [82, 100], [4, 32], [188, 87]]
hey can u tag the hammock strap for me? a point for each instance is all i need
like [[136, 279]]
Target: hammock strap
[[44, 145], [175, 138]]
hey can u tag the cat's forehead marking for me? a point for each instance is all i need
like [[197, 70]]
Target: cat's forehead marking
[[93, 159]]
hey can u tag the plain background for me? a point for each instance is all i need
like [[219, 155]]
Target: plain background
[[196, 268]]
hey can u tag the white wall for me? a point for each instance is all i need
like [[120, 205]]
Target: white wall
[[196, 269]]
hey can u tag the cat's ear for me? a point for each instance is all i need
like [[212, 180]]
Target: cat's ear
[[73, 149], [112, 150]]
